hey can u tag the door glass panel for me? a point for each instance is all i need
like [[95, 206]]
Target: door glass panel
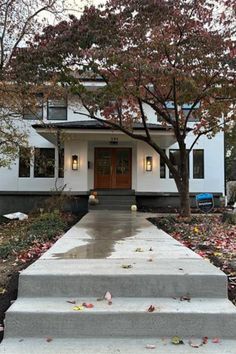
[[104, 163], [122, 162]]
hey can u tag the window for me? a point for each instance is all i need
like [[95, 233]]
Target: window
[[162, 168], [44, 162], [57, 109], [175, 160], [24, 162], [198, 163], [61, 163], [34, 110]]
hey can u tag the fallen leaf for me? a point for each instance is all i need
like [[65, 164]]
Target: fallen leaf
[[177, 340], [48, 339], [71, 302], [205, 340], [150, 249], [127, 266], [108, 297], [151, 308], [185, 298], [21, 340], [195, 344], [88, 306], [78, 308], [215, 340], [139, 249], [150, 346], [150, 260]]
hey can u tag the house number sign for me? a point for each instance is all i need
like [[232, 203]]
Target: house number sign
[[205, 202]]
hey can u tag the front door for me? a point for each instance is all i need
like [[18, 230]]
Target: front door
[[112, 168]]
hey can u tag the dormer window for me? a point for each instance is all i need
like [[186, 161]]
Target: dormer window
[[57, 109]]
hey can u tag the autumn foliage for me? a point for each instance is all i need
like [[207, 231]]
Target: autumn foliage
[[160, 54]]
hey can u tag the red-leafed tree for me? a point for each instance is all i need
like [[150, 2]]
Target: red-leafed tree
[[150, 54]]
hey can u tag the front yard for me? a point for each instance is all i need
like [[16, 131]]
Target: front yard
[[21, 243], [208, 236]]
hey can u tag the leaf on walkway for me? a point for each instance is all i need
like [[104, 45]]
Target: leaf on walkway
[[127, 266], [88, 306], [151, 308], [205, 340], [73, 302], [49, 339], [185, 298], [78, 308], [150, 260], [177, 340], [150, 346], [150, 249], [216, 340], [108, 297], [139, 249]]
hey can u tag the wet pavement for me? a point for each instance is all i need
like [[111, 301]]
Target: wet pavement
[[106, 234]]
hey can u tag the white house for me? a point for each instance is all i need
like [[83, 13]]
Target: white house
[[80, 154]]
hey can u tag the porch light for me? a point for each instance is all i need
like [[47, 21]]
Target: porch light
[[148, 163], [75, 162]]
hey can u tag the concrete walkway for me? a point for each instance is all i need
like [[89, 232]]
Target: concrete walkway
[[140, 265]]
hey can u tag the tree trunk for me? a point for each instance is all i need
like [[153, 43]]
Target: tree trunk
[[183, 186]]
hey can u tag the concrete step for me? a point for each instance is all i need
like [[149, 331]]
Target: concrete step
[[92, 277], [110, 207], [125, 317], [112, 346]]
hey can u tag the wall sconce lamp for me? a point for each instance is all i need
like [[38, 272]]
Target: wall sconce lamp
[[148, 163], [75, 162]]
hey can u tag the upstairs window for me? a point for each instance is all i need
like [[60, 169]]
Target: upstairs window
[[175, 160], [198, 163], [24, 162], [57, 109], [34, 110], [44, 162]]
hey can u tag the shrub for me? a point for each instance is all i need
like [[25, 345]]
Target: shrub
[[47, 226]]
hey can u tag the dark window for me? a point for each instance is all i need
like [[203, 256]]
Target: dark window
[[198, 163], [34, 110], [175, 160], [57, 109], [24, 162], [61, 163], [162, 168], [44, 162]]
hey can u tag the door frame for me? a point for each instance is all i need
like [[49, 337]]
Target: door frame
[[113, 162]]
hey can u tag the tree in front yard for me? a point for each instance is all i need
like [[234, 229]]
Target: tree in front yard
[[19, 21], [163, 55]]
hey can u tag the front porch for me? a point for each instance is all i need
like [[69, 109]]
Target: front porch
[[108, 159]]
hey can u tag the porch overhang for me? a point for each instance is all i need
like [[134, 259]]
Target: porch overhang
[[88, 129]]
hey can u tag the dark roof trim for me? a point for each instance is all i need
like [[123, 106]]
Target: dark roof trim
[[94, 125]]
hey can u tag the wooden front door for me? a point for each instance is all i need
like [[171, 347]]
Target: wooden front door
[[112, 168]]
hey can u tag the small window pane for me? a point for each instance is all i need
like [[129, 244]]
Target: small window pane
[[198, 163], [44, 162], [36, 111], [57, 109], [24, 162], [175, 160], [162, 168]]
